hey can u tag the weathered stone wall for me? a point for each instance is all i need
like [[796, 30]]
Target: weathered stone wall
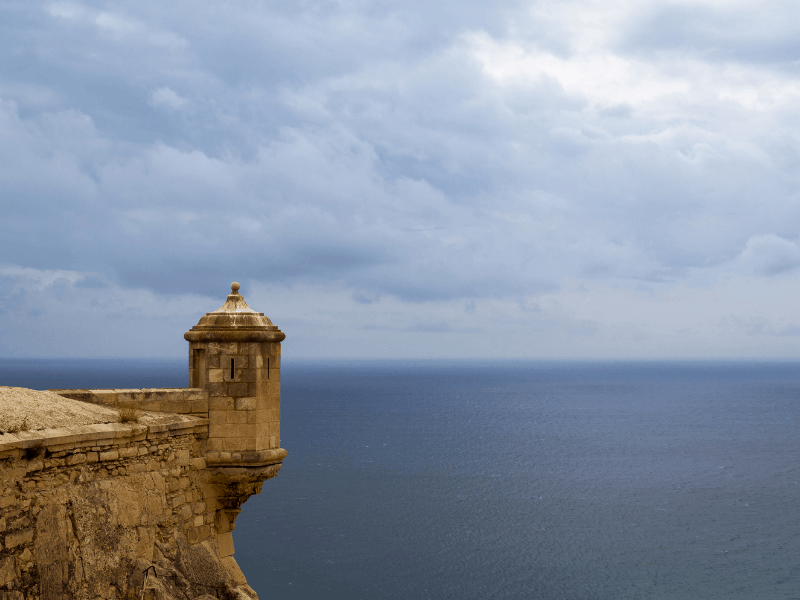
[[243, 382], [85, 511], [171, 400]]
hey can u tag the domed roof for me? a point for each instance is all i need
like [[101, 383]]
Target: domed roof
[[234, 321]]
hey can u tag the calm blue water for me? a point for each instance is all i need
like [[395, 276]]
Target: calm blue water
[[515, 480]]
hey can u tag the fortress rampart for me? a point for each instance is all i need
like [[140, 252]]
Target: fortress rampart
[[145, 508]]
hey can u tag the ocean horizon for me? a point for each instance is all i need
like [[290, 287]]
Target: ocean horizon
[[509, 479]]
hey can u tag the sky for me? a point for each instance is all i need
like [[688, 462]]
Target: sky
[[472, 179]]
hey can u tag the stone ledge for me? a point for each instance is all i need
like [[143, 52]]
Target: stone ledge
[[241, 474], [13, 445], [248, 458], [170, 400]]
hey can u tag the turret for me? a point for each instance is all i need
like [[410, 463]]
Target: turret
[[235, 354]]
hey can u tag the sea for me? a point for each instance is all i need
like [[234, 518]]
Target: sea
[[506, 480]]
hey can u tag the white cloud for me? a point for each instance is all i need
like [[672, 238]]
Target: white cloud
[[165, 97], [119, 26], [66, 10], [770, 255]]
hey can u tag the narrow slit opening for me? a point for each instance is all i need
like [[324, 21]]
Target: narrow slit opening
[[267, 367], [232, 369]]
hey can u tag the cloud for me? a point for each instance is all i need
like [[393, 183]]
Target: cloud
[[411, 156], [769, 255], [165, 97], [718, 31], [118, 26], [80, 314]]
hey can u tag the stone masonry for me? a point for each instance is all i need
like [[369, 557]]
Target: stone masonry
[[145, 509]]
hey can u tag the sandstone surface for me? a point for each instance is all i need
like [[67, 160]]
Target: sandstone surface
[[47, 410], [118, 510]]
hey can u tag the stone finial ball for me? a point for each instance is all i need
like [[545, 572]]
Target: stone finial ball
[[235, 287]]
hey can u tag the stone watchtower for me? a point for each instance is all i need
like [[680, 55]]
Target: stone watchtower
[[235, 355]]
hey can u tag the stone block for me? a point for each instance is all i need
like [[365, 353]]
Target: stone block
[[239, 444], [237, 390], [215, 376], [185, 512], [8, 569], [218, 417], [178, 406], [238, 431], [249, 348], [129, 396], [237, 417], [246, 403], [212, 361], [107, 397], [198, 463], [199, 406], [223, 348], [35, 465], [109, 455], [225, 541], [215, 444], [246, 375], [76, 459], [178, 500], [193, 535], [17, 538], [216, 389], [129, 452], [221, 430], [205, 531], [220, 403]]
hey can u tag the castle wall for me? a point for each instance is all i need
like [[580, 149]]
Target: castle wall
[[243, 384], [171, 400], [85, 510]]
